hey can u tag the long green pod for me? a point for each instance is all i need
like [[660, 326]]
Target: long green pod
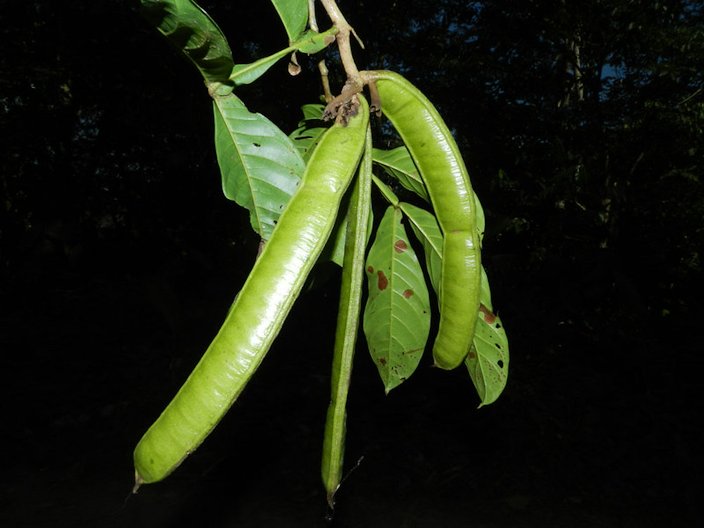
[[347, 325], [261, 307], [444, 173]]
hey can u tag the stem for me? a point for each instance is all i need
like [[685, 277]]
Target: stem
[[355, 82], [312, 21], [322, 68], [343, 40]]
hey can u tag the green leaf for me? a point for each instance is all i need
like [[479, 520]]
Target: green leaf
[[188, 27], [485, 291], [312, 42], [310, 130], [312, 111], [294, 15], [397, 314], [488, 358], [248, 73], [386, 191], [428, 233], [399, 165], [260, 167]]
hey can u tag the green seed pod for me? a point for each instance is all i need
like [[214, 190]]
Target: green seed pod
[[261, 307], [445, 176]]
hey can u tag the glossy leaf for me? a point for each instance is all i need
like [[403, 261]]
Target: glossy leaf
[[397, 314], [294, 15], [188, 27], [313, 42], [310, 42], [487, 361], [260, 167], [386, 191], [248, 73], [427, 231], [399, 164]]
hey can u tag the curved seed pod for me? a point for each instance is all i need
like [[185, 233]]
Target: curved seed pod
[[445, 176], [260, 308]]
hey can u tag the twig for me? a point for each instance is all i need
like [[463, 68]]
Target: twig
[[322, 68], [343, 40], [690, 97]]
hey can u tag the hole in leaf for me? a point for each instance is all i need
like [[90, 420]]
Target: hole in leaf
[[500, 363]]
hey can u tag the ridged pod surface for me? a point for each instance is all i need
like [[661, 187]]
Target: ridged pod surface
[[261, 306], [443, 171]]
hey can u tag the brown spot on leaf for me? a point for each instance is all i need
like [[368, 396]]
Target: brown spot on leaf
[[400, 246], [382, 282], [472, 354], [408, 294], [370, 269], [488, 316], [382, 360]]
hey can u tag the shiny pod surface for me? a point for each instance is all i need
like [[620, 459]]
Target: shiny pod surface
[[445, 176], [260, 307]]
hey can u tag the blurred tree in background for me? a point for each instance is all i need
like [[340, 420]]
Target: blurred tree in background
[[582, 124]]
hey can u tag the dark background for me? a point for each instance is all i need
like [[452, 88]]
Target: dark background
[[582, 128]]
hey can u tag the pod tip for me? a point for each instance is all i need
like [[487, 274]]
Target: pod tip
[[138, 481]]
